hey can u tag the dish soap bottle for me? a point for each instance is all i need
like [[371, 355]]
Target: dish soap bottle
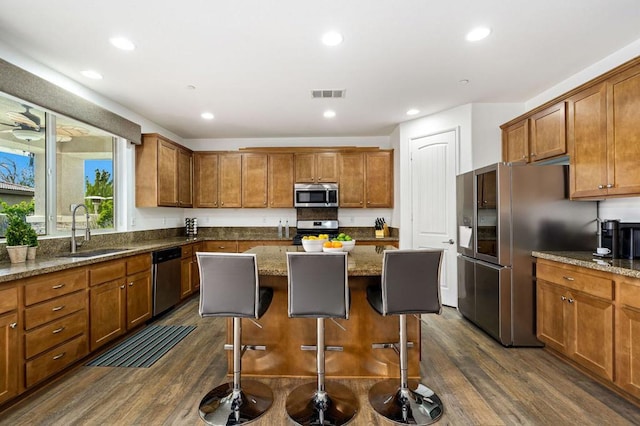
[[280, 228], [286, 229]]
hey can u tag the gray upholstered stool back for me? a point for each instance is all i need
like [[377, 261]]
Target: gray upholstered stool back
[[228, 284], [411, 281], [318, 286]]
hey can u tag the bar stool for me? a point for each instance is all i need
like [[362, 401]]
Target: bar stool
[[318, 288], [229, 288], [410, 285]]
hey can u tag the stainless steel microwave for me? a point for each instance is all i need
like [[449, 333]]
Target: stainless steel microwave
[[315, 195]]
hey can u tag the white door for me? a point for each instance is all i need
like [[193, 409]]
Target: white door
[[433, 191]]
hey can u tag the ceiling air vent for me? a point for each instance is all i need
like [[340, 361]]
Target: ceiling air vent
[[317, 94]]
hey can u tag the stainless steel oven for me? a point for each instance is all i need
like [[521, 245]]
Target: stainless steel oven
[[315, 195]]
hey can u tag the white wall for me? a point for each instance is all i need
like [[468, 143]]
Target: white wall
[[625, 209], [486, 135]]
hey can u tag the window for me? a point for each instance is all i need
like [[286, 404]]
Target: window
[[32, 142]]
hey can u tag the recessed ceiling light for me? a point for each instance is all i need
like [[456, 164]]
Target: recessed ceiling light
[[329, 114], [413, 111], [94, 75], [191, 87], [478, 33], [207, 116], [332, 38], [464, 81], [122, 43]]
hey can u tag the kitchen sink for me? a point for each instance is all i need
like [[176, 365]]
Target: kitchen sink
[[93, 253]]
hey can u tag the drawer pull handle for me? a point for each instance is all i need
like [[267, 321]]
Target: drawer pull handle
[[58, 308], [563, 298], [59, 356], [569, 278], [571, 300], [13, 325], [122, 286], [57, 330], [131, 284], [56, 287]]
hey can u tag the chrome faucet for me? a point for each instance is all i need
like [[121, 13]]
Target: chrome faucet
[[87, 231]]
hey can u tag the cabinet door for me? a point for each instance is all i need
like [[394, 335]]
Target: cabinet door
[[8, 356], [167, 174], [326, 167], [593, 327], [230, 184], [206, 179], [185, 166], [352, 180], [254, 180], [623, 139], [548, 133], [139, 302], [223, 246], [379, 179], [627, 336], [305, 168], [587, 142], [281, 180], [515, 142], [107, 312], [185, 277], [195, 272], [552, 324]]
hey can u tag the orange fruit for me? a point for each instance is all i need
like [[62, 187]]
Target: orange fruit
[[336, 244], [327, 244]]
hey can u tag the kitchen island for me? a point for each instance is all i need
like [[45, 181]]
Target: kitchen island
[[283, 336]]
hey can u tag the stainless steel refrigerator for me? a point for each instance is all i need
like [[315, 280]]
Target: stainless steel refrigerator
[[504, 212]]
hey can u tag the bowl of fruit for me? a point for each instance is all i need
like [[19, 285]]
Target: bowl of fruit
[[347, 242], [314, 243], [332, 247]]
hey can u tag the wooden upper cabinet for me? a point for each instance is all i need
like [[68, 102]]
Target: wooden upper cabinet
[[366, 179], [185, 180], [205, 179], [163, 173], [548, 133], [623, 132], [379, 178], [316, 167], [254, 180], [352, 178], [230, 180], [280, 171], [587, 142], [515, 142], [604, 137]]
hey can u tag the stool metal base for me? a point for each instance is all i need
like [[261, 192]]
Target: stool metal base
[[337, 406], [417, 405], [222, 406]]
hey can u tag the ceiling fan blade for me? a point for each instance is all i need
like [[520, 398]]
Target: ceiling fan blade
[[68, 130], [20, 118]]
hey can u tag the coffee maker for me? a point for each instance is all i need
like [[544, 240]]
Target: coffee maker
[[622, 238]]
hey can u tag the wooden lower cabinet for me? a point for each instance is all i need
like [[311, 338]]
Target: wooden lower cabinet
[[575, 315], [9, 364], [628, 335], [224, 246], [120, 297]]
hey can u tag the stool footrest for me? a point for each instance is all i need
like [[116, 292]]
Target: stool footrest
[[389, 345], [229, 347], [326, 348]]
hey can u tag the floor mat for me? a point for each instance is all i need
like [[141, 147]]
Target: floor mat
[[143, 348]]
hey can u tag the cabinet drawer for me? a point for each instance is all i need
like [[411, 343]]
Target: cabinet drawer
[[55, 360], [54, 309], [8, 299], [107, 271], [54, 333], [137, 264], [227, 246], [53, 285], [187, 251], [575, 279]]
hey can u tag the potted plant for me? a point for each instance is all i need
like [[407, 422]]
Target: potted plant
[[19, 232], [32, 243]]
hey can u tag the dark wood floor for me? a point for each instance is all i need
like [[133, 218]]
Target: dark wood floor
[[479, 381]]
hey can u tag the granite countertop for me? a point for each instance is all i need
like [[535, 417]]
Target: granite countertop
[[361, 261], [585, 259]]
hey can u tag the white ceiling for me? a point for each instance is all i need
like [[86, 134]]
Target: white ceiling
[[255, 62]]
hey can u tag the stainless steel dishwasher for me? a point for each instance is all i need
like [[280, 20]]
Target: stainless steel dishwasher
[[166, 279]]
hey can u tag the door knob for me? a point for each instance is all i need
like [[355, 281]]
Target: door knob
[[449, 242]]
